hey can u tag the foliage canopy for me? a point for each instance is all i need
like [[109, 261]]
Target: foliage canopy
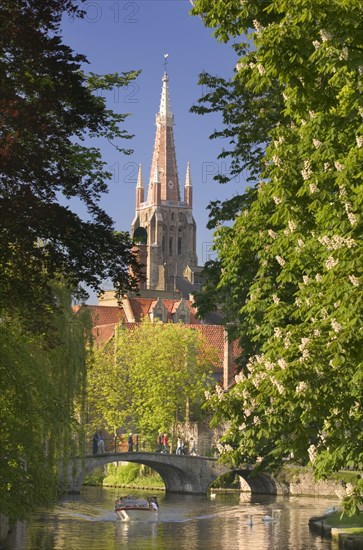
[[289, 272]]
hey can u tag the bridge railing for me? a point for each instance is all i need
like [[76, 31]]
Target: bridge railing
[[119, 444]]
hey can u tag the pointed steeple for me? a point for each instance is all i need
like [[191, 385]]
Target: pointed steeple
[[164, 111], [140, 182], [188, 188], [164, 151], [139, 188]]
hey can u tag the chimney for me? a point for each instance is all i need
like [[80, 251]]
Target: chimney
[[228, 367]]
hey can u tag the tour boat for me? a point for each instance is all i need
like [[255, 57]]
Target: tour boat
[[131, 508]]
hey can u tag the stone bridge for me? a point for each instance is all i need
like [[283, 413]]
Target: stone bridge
[[181, 474]]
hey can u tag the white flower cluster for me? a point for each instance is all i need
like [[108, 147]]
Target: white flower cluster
[[207, 395], [317, 332], [277, 332], [301, 387], [275, 299], [336, 241], [325, 35], [354, 280], [219, 392], [240, 377], [312, 453], [344, 54], [291, 225], [277, 200], [306, 171], [316, 44], [282, 363], [313, 188], [261, 69], [338, 166], [331, 262], [272, 234], [342, 191], [287, 341], [257, 25], [318, 278], [269, 365], [337, 327], [359, 140], [256, 421], [276, 160], [326, 166], [317, 143], [280, 260], [351, 217], [300, 243], [280, 387], [306, 280]]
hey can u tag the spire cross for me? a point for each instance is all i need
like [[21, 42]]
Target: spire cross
[[166, 55]]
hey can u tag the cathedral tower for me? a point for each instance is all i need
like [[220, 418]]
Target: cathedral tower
[[164, 224]]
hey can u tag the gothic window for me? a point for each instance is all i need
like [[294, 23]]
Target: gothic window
[[172, 215], [170, 246], [179, 246]]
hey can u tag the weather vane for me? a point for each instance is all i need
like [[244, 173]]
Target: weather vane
[[166, 55]]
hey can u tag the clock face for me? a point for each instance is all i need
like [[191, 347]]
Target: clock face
[[170, 184]]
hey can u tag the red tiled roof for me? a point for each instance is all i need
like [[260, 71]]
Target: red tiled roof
[[142, 307], [104, 320]]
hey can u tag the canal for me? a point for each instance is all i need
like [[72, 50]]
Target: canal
[[87, 522]]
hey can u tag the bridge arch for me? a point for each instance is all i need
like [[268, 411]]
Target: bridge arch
[[181, 474]]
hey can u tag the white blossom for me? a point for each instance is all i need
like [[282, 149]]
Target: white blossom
[[312, 114], [277, 332], [306, 171], [292, 225], [313, 188], [339, 166], [219, 392], [336, 241], [301, 243], [301, 387], [318, 278], [326, 166], [359, 140], [207, 395], [336, 326], [354, 280], [344, 54], [342, 191], [256, 421], [261, 69], [317, 143], [257, 25], [304, 343], [276, 299], [306, 280], [276, 160], [331, 262], [280, 260], [272, 234], [282, 363], [325, 35], [312, 453], [317, 332], [316, 44], [277, 200], [285, 96]]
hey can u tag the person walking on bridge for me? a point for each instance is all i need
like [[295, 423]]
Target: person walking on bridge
[[130, 443]]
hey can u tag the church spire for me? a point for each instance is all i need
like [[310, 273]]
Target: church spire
[[164, 156], [139, 188], [188, 188]]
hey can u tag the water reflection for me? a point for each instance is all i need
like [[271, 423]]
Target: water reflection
[[194, 522]]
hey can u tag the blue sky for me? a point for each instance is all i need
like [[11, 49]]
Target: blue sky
[[126, 35]]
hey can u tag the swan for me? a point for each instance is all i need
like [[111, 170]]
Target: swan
[[213, 495], [267, 519]]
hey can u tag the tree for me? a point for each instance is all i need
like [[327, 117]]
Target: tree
[[48, 108], [147, 375], [289, 269], [41, 407]]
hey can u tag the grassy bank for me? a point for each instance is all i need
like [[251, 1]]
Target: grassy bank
[[133, 476]]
